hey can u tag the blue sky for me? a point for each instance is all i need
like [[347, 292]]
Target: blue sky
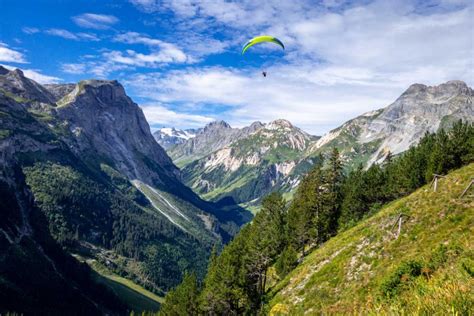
[[180, 60]]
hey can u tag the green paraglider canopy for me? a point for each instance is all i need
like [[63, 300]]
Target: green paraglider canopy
[[262, 39]]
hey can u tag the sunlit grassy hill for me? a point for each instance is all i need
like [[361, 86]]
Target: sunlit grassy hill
[[428, 269]]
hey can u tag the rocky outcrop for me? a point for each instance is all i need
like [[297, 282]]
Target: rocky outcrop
[[24, 89], [89, 167], [394, 129], [59, 91]]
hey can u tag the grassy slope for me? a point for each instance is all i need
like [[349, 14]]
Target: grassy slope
[[346, 273], [136, 297]]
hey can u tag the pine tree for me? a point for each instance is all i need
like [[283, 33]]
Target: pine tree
[[335, 180], [183, 300], [266, 241], [286, 262]]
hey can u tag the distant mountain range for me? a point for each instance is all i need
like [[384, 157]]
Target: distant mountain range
[[80, 173], [170, 136], [232, 165]]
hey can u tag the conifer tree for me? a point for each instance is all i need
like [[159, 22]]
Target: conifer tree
[[183, 300]]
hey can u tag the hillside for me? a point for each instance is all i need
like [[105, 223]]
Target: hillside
[[428, 269]]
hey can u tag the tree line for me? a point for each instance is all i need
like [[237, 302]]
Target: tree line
[[327, 201]]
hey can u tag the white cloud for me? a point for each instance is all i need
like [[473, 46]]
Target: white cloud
[[88, 37], [10, 55], [342, 58], [73, 36], [76, 69], [160, 116], [137, 38], [95, 21], [30, 30], [163, 52], [98, 68], [62, 33], [197, 45], [248, 96], [36, 75], [167, 54]]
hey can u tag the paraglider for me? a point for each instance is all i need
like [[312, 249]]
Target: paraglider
[[262, 39]]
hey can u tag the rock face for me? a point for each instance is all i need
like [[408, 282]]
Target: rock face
[[60, 90], [419, 110], [244, 164], [103, 118], [27, 247], [168, 137]]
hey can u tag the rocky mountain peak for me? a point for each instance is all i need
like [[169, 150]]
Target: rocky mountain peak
[[282, 123], [217, 125], [170, 136], [415, 88], [3, 70], [15, 82], [104, 91]]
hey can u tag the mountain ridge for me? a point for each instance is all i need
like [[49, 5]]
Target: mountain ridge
[[366, 139]]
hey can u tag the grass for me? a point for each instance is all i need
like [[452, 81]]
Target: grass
[[4, 133], [136, 297], [352, 272], [14, 97]]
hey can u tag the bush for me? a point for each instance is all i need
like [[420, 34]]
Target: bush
[[404, 274]]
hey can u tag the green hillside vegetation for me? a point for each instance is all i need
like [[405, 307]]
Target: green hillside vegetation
[[70, 200], [427, 270], [250, 276], [135, 296]]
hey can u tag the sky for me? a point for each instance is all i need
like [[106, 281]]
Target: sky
[[180, 60]]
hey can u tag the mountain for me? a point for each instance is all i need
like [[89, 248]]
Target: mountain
[[420, 109], [242, 165], [212, 137], [370, 269], [252, 165], [85, 177], [169, 136]]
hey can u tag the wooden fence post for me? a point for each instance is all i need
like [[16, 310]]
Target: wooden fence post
[[467, 188]]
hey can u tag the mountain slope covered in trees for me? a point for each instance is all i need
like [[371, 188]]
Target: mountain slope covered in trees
[[252, 273]]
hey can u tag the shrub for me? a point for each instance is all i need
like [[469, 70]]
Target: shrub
[[404, 274]]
